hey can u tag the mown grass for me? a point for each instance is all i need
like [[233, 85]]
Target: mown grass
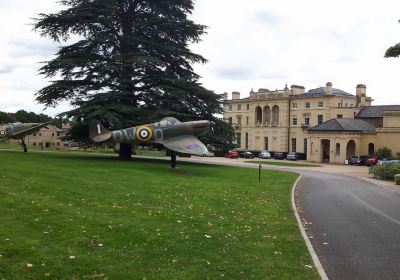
[[70, 216], [283, 163]]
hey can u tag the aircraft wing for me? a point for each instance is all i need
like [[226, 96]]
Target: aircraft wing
[[187, 144], [23, 133]]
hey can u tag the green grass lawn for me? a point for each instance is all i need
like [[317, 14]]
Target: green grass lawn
[[283, 163], [73, 216]]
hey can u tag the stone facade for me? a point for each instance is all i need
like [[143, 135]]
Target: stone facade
[[279, 121], [47, 137]]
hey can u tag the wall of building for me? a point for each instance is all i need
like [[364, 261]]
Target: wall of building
[[292, 127], [49, 137]]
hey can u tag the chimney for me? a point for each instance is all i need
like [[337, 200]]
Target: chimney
[[361, 90], [329, 88], [225, 96], [297, 89], [235, 95]]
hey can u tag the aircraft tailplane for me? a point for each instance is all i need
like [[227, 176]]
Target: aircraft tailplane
[[97, 132]]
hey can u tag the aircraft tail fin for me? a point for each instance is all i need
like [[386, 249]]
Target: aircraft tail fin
[[97, 132]]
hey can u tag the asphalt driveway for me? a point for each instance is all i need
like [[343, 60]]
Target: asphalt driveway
[[353, 225]]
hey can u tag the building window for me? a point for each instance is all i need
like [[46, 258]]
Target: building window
[[239, 107], [247, 120], [294, 105], [239, 120], [340, 116], [238, 138], [58, 143], [307, 105], [34, 144], [230, 120], [346, 105], [52, 134], [305, 146], [58, 134], [40, 134], [320, 119], [307, 120], [248, 106], [230, 107], [340, 104], [351, 105], [320, 104], [294, 144], [34, 134], [247, 141], [337, 149], [267, 115], [266, 143], [275, 115], [258, 115], [294, 121]]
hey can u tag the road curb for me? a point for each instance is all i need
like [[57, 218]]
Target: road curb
[[310, 248]]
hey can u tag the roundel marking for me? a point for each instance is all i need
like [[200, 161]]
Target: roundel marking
[[2, 132], [144, 133]]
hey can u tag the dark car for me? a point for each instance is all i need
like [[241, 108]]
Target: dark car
[[246, 155], [292, 156], [232, 154], [372, 161], [359, 160], [279, 155]]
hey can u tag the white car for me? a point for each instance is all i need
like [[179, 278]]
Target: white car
[[264, 155]]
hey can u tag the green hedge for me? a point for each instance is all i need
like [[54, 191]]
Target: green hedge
[[397, 179], [385, 171]]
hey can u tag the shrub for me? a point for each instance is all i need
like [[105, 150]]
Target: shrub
[[385, 171], [384, 152], [397, 179]]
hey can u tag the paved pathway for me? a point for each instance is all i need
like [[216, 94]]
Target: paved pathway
[[353, 224]]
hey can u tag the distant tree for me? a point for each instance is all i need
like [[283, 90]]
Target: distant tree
[[25, 117], [7, 118], [384, 152], [128, 64], [393, 51]]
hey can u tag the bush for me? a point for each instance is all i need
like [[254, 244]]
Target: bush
[[384, 152], [397, 179], [385, 171]]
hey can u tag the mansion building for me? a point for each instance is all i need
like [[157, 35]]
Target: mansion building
[[325, 124]]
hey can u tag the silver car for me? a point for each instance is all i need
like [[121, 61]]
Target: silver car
[[264, 155]]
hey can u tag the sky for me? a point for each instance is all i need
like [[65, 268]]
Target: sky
[[249, 44]]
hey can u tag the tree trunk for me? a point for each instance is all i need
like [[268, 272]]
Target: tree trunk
[[125, 151]]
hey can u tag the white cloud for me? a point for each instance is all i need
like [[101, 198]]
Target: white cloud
[[250, 44]]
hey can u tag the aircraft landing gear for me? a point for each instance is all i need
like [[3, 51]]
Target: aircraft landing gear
[[24, 146], [173, 159]]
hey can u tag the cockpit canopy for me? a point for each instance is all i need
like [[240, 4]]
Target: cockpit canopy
[[167, 122]]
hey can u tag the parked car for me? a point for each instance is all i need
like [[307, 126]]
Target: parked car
[[232, 154], [246, 155], [292, 156], [264, 154], [279, 155], [359, 160], [386, 161], [372, 161]]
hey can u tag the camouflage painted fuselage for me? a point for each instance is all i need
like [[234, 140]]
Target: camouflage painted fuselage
[[18, 130], [169, 132], [157, 133]]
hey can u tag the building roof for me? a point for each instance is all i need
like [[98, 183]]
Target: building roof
[[349, 125], [322, 91], [376, 111]]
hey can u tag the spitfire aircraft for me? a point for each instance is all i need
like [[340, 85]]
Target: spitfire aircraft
[[19, 131], [171, 133]]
